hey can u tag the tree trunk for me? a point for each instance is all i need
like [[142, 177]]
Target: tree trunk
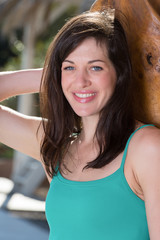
[[143, 35]]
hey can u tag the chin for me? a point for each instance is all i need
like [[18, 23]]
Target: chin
[[85, 113]]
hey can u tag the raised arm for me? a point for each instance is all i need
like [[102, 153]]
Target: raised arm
[[19, 82], [17, 130]]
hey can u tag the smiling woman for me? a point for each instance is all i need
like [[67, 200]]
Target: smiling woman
[[73, 52], [103, 170], [88, 77]]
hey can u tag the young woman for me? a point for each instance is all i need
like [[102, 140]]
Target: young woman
[[103, 165]]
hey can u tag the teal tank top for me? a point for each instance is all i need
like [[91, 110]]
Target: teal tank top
[[103, 209]]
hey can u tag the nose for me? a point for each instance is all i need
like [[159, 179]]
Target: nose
[[83, 79]]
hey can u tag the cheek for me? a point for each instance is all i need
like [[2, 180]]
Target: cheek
[[65, 81], [108, 82]]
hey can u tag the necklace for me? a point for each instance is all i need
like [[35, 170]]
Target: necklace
[[77, 142], [89, 151]]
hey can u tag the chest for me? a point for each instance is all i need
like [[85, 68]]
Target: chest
[[75, 161], [76, 171], [93, 210]]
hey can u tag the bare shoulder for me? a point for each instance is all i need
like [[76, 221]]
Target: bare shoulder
[[145, 156], [146, 141], [145, 149]]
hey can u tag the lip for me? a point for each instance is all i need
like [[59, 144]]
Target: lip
[[84, 96]]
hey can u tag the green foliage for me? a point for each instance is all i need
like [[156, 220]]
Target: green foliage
[[11, 103], [14, 63], [42, 43], [5, 152], [45, 39]]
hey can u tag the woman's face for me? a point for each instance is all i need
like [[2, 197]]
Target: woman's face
[[88, 78]]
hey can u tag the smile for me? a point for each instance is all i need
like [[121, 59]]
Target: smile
[[85, 95]]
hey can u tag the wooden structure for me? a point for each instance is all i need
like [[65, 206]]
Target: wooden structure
[[143, 35]]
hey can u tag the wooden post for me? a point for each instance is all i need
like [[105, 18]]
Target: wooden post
[[143, 35]]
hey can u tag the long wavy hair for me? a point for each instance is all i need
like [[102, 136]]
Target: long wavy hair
[[60, 123]]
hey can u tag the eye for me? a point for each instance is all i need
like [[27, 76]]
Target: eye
[[97, 68], [68, 68]]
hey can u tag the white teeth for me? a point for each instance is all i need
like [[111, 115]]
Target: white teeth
[[84, 95]]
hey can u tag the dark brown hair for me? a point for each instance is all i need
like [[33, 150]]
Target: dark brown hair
[[60, 122]]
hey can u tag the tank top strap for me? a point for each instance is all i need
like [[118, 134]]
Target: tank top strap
[[127, 144]]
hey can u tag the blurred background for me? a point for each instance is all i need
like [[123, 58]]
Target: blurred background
[[26, 29]]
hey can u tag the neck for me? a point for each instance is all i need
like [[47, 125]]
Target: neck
[[89, 128]]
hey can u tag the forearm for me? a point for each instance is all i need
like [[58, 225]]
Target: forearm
[[19, 82]]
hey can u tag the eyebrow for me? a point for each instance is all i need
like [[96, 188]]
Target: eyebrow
[[90, 62], [68, 61], [96, 60]]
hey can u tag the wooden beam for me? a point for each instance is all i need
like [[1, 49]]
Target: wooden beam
[[143, 35]]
